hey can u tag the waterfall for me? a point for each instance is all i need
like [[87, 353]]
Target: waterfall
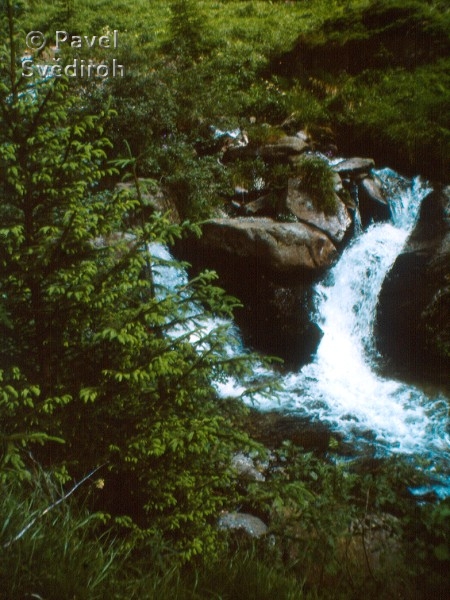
[[341, 386]]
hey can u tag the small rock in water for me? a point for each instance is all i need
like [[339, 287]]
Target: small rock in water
[[354, 166]]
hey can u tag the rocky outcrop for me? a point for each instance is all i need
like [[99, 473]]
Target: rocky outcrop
[[358, 178], [276, 244], [300, 204], [283, 247], [413, 317], [280, 150]]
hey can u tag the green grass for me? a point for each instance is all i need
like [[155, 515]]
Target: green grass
[[63, 554]]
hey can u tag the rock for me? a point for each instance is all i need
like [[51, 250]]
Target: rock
[[154, 199], [275, 316], [272, 428], [248, 523], [413, 314], [338, 187], [353, 167], [279, 246], [373, 205], [373, 543], [241, 192], [245, 466], [374, 190], [283, 148], [303, 135], [234, 153], [262, 206], [300, 204]]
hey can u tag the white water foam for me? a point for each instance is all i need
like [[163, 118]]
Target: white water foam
[[341, 386]]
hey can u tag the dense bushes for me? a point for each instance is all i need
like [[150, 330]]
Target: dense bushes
[[96, 359], [379, 72]]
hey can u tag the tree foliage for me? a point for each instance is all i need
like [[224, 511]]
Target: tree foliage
[[94, 355]]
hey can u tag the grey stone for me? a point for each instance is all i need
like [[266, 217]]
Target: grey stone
[[246, 468], [353, 167], [284, 147], [248, 523]]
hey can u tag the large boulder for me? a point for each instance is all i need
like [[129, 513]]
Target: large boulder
[[354, 167], [271, 268], [280, 150], [413, 316], [283, 247], [300, 204]]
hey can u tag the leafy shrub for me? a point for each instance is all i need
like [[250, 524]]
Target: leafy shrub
[[95, 351], [264, 133], [187, 30]]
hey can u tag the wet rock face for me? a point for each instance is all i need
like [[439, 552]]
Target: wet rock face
[[413, 315], [373, 205]]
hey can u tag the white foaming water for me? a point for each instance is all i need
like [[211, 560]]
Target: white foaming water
[[341, 386], [195, 327]]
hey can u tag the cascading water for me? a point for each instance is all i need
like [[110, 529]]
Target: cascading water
[[341, 386]]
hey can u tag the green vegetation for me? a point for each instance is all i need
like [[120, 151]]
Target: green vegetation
[[105, 370], [96, 359], [317, 178], [380, 72]]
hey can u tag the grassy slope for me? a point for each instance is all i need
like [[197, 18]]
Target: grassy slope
[[395, 109], [383, 77]]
